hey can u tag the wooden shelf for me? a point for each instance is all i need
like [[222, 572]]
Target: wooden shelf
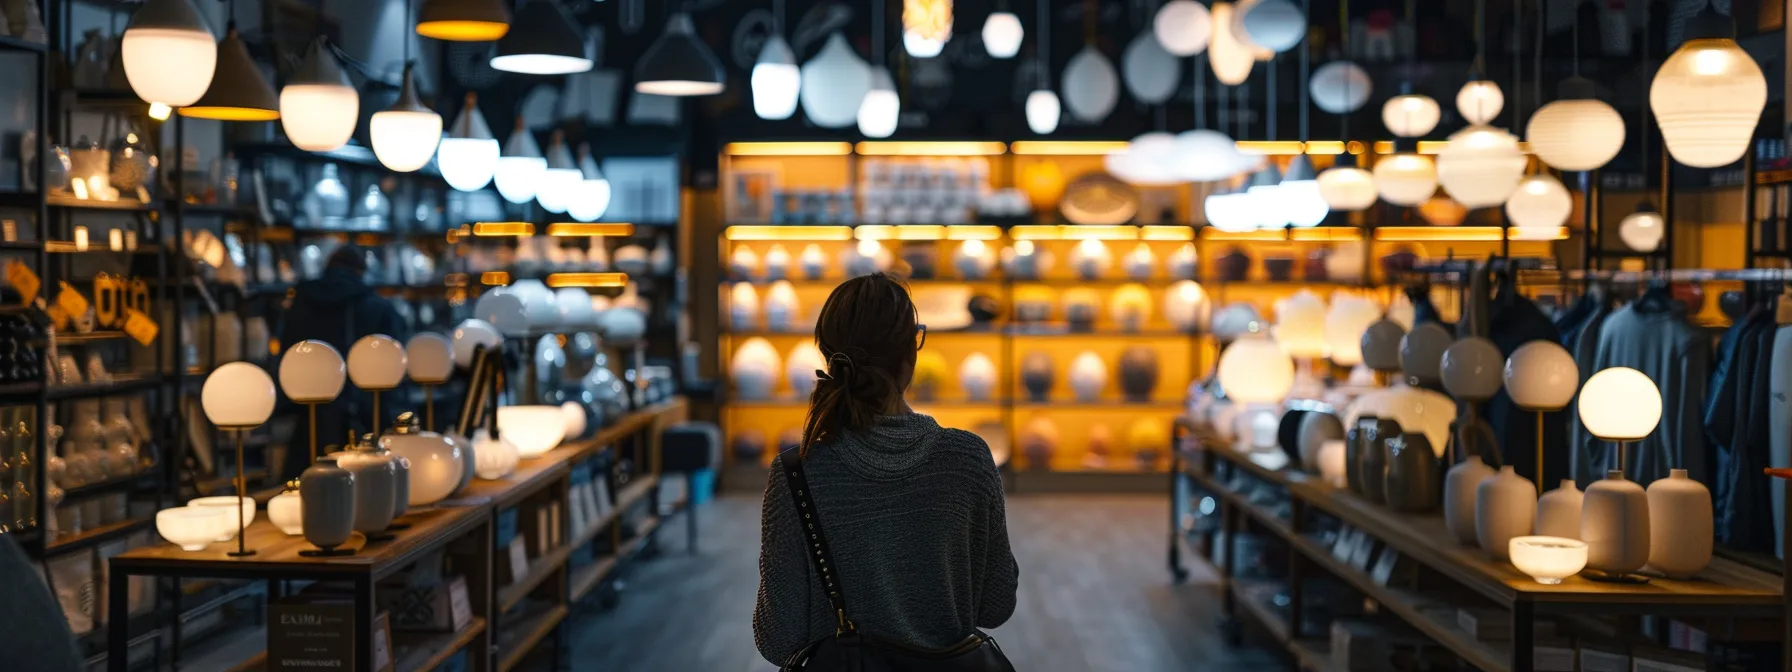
[[429, 651], [588, 577], [1314, 655], [534, 628], [1254, 598], [97, 535], [540, 569]]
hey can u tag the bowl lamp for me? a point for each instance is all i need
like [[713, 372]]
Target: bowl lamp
[[1548, 560], [543, 40], [318, 107], [468, 157], [1203, 155], [405, 135], [238, 396], [238, 91], [169, 53], [192, 528], [232, 511], [679, 64], [463, 20]]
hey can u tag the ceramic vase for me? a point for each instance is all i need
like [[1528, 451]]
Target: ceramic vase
[[1558, 511], [469, 461], [1353, 453], [1505, 507], [813, 262], [1088, 376], [1415, 479], [376, 485], [435, 462], [1679, 525], [327, 503], [1315, 429], [977, 375], [1460, 485], [1614, 521], [1036, 375], [1374, 463], [286, 510], [401, 494]]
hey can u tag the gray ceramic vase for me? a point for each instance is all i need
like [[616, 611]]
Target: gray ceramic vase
[[1375, 459], [1138, 373], [1460, 485], [376, 485], [1415, 478], [327, 495], [1558, 511], [1679, 525], [1354, 442], [1036, 375], [1471, 369]]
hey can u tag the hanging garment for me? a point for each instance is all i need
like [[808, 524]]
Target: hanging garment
[[1752, 524], [1778, 410], [1721, 421], [1651, 335], [1580, 335]]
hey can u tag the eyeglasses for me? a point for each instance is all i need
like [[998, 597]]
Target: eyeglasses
[[920, 336]]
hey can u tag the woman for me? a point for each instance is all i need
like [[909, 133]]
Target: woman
[[912, 512]]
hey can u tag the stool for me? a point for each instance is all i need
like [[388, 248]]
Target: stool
[[689, 447]]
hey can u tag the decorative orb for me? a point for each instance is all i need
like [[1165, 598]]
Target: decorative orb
[[1036, 375], [1183, 27], [930, 375], [1276, 25], [800, 367], [1707, 98], [376, 362], [1088, 376], [240, 394], [1235, 320], [1422, 352], [1340, 87], [1411, 115], [1202, 155], [1405, 178], [1576, 134], [1300, 325], [743, 307], [1471, 369], [755, 369], [1480, 101], [1480, 166], [1091, 87], [1540, 201], [1186, 306], [813, 261], [1348, 318], [1230, 58], [1255, 371], [780, 306], [1002, 34], [1130, 307], [429, 357], [1149, 72], [1643, 230], [977, 375], [1347, 188], [1541, 375], [471, 334], [834, 83], [1620, 404], [312, 372]]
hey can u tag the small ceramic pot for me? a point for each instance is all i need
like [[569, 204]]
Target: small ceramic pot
[[1505, 507], [327, 499], [1460, 485], [1558, 511], [376, 484], [1415, 478], [286, 510]]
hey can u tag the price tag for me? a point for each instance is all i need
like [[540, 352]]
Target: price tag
[[140, 327], [22, 278], [519, 559], [70, 301], [460, 608], [1384, 566]]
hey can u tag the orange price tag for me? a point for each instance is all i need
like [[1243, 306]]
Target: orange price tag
[[140, 327], [22, 278], [71, 301]]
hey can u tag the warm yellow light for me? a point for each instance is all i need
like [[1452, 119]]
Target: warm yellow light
[[494, 278], [1548, 559], [519, 229], [1178, 233], [764, 232], [1035, 232], [1095, 232], [558, 280], [1326, 233], [463, 31], [1457, 233], [568, 229], [965, 148], [1067, 147], [159, 112], [788, 148], [973, 232], [901, 232], [1212, 233], [230, 113], [1271, 147], [1326, 147]]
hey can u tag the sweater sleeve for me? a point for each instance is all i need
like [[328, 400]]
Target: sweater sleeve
[[1001, 574], [780, 615]]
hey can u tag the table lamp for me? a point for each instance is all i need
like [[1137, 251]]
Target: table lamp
[[1622, 405], [376, 363], [429, 361], [312, 373], [1541, 376], [238, 396], [1255, 373]]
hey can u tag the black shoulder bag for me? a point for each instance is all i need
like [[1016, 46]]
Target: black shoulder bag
[[849, 650]]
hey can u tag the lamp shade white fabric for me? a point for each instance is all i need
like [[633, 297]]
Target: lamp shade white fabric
[[556, 186], [1091, 86], [1340, 87], [376, 362], [1347, 188], [1255, 371], [1043, 111], [469, 335], [1707, 98], [312, 372], [534, 430], [833, 84], [318, 108], [1230, 58], [881, 107], [1410, 115], [1002, 34], [169, 53], [1203, 155], [1405, 179], [238, 395], [1576, 134], [1643, 230], [429, 358], [405, 135], [1480, 166], [1620, 404], [1183, 27], [1541, 375], [1480, 101], [777, 80], [1539, 202], [1276, 25], [520, 166]]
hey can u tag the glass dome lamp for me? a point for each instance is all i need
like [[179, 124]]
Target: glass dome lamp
[[472, 334], [1410, 115], [1644, 229], [238, 395], [520, 166], [534, 430], [238, 90], [592, 197], [881, 107], [1204, 155], [312, 372], [543, 40], [1043, 111], [1183, 27], [463, 20], [318, 107], [1264, 192], [1301, 201], [1576, 131], [1480, 101], [1480, 166], [1230, 58], [1620, 404], [169, 53], [557, 184], [376, 362], [1405, 178], [926, 27], [405, 135], [1346, 187], [1540, 202], [1708, 95], [1002, 34], [777, 80], [429, 358], [1276, 25], [468, 157], [1229, 211], [679, 64]]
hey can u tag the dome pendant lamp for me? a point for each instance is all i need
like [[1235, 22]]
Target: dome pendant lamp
[[463, 20], [1480, 166], [1043, 107], [543, 40], [777, 81], [238, 92], [520, 166], [468, 157], [1410, 115], [1265, 193], [679, 64], [1708, 96], [169, 53], [405, 135], [1301, 201], [592, 197], [1576, 131], [1406, 178], [1346, 187], [318, 108]]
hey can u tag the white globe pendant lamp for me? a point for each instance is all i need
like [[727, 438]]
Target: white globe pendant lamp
[[169, 53], [1302, 203], [1229, 211], [1410, 115], [881, 107], [1002, 34], [468, 157], [777, 80], [1540, 203], [1230, 58], [592, 197], [1091, 85], [318, 108], [555, 187], [1183, 27], [1150, 73], [1276, 25], [520, 166], [926, 27], [1405, 178], [1346, 187], [1340, 87], [1576, 131], [405, 135], [1265, 194], [1204, 155], [834, 83], [1708, 96], [1644, 229], [1480, 166], [1480, 101]]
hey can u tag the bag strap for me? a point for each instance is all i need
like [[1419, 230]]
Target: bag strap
[[817, 542]]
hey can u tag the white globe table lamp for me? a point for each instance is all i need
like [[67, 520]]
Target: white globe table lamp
[[376, 363], [312, 373], [429, 360], [238, 396]]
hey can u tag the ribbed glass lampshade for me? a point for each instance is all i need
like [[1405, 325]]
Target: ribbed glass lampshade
[[592, 197], [1480, 166], [1480, 101], [543, 40], [679, 64], [1002, 34], [1043, 111], [1540, 202], [1410, 115], [777, 80], [1405, 178], [1230, 58], [879, 110], [238, 91], [318, 107], [1346, 187], [554, 188], [1708, 98], [1183, 27], [519, 166], [169, 53], [1576, 131], [405, 135], [468, 157], [463, 20]]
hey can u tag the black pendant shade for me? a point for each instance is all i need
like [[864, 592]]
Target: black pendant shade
[[543, 40], [463, 20], [679, 64]]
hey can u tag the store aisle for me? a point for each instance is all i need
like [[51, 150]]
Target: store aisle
[[1094, 596]]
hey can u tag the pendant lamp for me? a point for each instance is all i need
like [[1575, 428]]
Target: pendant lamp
[[1340, 87], [1302, 203], [169, 53], [592, 197], [318, 108], [1148, 160], [1577, 131], [520, 166], [926, 26], [1708, 96], [554, 189], [405, 135], [777, 81], [463, 20], [1410, 115], [1540, 203], [1002, 34], [835, 81], [238, 91], [1229, 211], [543, 40], [1346, 187], [1264, 191], [1480, 166], [1480, 101], [879, 110], [468, 157], [1230, 58], [1643, 230], [1276, 25], [1183, 27], [1405, 178], [679, 64], [1204, 155], [1043, 111]]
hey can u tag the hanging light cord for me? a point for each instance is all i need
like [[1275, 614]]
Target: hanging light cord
[[1537, 63], [1269, 75], [410, 12], [1042, 50], [1349, 82], [1517, 46], [1642, 111], [778, 16], [1200, 93], [877, 31], [1306, 9], [1412, 56]]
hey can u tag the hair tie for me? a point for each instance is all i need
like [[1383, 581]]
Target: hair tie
[[844, 366]]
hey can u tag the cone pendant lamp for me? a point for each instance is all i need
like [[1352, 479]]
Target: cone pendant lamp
[[679, 64], [238, 92], [543, 40], [318, 108], [405, 135]]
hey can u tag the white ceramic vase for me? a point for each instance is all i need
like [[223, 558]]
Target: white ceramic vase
[[286, 511], [1614, 521], [1505, 507], [1460, 491], [1558, 511], [1088, 375], [1679, 525]]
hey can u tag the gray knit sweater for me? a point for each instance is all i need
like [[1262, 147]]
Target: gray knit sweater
[[914, 517]]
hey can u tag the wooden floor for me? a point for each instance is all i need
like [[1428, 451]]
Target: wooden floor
[[1094, 595]]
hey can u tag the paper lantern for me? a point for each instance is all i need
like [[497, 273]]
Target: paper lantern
[[881, 107], [376, 362], [1541, 375], [1340, 87], [776, 80], [1043, 111], [1411, 115], [1002, 34], [800, 367], [977, 375], [1091, 87], [1345, 322], [318, 108], [834, 82], [1405, 178], [534, 430], [1231, 59], [1480, 101], [429, 357], [1347, 188], [1644, 229], [1548, 559], [1203, 155], [520, 166], [238, 395], [405, 135], [1300, 325], [1540, 202], [1183, 27], [1150, 72], [1276, 25], [312, 372], [1255, 371], [1620, 404], [1707, 97], [1576, 132], [1480, 166], [169, 53], [1186, 306], [470, 334]]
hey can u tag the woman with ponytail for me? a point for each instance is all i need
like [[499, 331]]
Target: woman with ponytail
[[914, 519]]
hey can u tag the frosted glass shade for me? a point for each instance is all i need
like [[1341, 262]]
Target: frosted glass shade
[[1255, 371], [1405, 179], [471, 334], [1541, 375], [169, 53], [318, 117], [880, 108], [1276, 25], [312, 372], [776, 81], [1183, 27], [519, 167], [557, 185], [1002, 34], [590, 199], [1480, 166], [1548, 559], [1708, 98], [1203, 155], [1340, 87], [926, 26], [376, 362], [238, 395], [1576, 134], [1540, 201], [1230, 212], [1345, 321], [1230, 58], [1091, 85], [534, 430], [834, 83], [1480, 101], [468, 157], [191, 528], [429, 358], [1301, 203], [1410, 115], [1643, 230], [405, 140], [1620, 404], [1043, 111], [1300, 325], [1347, 188]]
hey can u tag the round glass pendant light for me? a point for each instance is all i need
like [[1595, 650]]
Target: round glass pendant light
[[1346, 187], [777, 81], [1405, 178], [1149, 160], [1043, 111], [556, 185], [318, 108], [1091, 85], [1708, 96], [169, 53], [1302, 203], [926, 26], [1204, 155], [1540, 202], [1340, 87], [405, 135], [1410, 115], [238, 91], [1183, 27], [1276, 25], [1231, 58], [835, 82], [1644, 229], [520, 166], [463, 20], [1002, 34], [592, 197], [1576, 131], [1480, 166], [543, 40], [1480, 101], [1264, 193], [468, 157], [881, 107], [679, 64]]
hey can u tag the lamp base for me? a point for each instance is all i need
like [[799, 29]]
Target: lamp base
[[331, 552], [1609, 577], [240, 554], [397, 527]]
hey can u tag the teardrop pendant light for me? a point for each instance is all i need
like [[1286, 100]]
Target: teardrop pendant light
[[679, 64], [592, 197], [318, 107], [555, 188], [1043, 108], [1708, 96], [520, 166], [169, 53], [777, 81], [463, 20], [468, 157], [543, 40], [405, 135], [238, 92], [879, 111]]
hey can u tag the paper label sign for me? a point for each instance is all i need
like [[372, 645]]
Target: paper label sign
[[140, 327], [71, 301], [22, 278]]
